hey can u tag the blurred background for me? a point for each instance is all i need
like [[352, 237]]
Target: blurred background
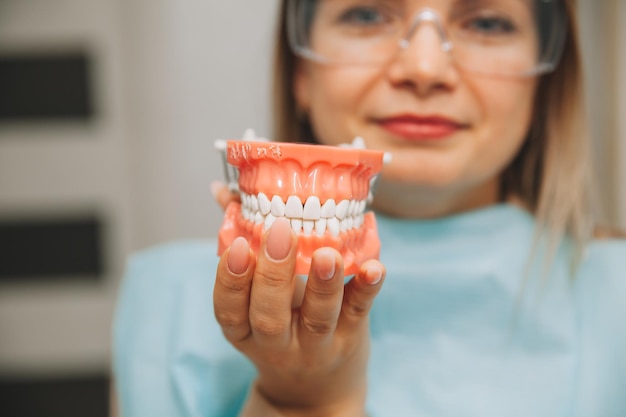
[[108, 113]]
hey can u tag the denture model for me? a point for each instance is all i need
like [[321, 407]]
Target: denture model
[[322, 190]]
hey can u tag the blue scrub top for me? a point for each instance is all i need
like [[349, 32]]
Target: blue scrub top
[[462, 327]]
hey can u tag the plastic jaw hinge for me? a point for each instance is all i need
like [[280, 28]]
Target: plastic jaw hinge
[[231, 173]]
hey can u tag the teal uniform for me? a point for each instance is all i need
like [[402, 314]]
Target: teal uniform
[[463, 326]]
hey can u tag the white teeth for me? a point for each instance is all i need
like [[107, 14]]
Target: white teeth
[[342, 209], [296, 224], [277, 207], [351, 208], [264, 204], [254, 203], [312, 208], [320, 227], [293, 208], [245, 213], [333, 227], [312, 217], [328, 209], [269, 221], [307, 227], [358, 221]]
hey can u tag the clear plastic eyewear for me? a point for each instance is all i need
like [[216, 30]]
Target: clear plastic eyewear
[[494, 37]]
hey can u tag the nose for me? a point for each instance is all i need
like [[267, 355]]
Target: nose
[[423, 60], [427, 16]]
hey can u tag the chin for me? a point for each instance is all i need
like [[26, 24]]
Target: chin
[[436, 176]]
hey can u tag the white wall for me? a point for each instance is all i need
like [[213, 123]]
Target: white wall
[[63, 168], [200, 71], [171, 76]]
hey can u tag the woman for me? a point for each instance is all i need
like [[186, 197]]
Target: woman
[[496, 301]]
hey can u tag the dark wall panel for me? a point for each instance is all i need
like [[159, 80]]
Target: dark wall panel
[[58, 397], [49, 249], [45, 86]]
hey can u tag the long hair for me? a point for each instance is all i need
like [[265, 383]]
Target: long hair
[[551, 172], [288, 124]]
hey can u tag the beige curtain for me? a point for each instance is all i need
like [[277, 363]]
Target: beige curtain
[[603, 39], [621, 112]]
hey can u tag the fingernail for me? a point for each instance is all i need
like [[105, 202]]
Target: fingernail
[[374, 275], [279, 239], [239, 256], [325, 264], [216, 186]]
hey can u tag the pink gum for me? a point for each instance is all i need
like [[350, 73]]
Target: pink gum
[[286, 169], [355, 246]]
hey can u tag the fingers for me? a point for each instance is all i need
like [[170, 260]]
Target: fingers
[[360, 293], [222, 194], [273, 288], [322, 299], [231, 296], [254, 299]]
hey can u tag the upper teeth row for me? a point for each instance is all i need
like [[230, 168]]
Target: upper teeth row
[[331, 215]]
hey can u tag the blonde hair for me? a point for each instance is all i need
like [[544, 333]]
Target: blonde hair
[[551, 172]]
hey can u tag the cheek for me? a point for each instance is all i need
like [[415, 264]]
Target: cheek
[[507, 114], [508, 110], [336, 95]]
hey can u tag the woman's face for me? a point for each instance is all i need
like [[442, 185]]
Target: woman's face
[[450, 132]]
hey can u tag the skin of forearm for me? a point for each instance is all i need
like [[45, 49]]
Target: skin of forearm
[[257, 405]]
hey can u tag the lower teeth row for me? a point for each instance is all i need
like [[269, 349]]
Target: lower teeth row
[[307, 227]]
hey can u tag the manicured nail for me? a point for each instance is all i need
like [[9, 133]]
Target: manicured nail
[[374, 275], [325, 264], [239, 256], [279, 239]]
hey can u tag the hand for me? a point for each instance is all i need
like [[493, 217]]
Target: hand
[[309, 358], [223, 196]]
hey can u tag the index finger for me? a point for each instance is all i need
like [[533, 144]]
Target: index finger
[[273, 286], [231, 294]]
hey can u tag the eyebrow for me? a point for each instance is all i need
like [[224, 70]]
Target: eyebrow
[[473, 2]]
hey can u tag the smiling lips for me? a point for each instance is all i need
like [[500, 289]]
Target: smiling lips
[[420, 128]]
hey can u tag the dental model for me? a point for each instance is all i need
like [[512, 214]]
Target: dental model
[[322, 190]]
